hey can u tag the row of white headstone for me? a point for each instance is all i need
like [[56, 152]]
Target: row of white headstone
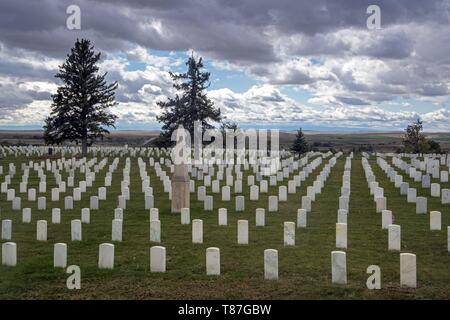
[[344, 200], [255, 189], [77, 191], [394, 231], [421, 202], [435, 188], [408, 273], [318, 184]]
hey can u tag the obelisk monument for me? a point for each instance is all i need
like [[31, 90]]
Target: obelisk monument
[[180, 188]]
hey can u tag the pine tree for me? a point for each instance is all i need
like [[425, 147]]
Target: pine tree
[[434, 146], [300, 145], [190, 105], [413, 140], [80, 106]]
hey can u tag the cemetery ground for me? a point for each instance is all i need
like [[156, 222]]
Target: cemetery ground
[[304, 269]]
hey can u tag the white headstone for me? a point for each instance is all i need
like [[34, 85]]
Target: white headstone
[[157, 259], [343, 202], [60, 255], [292, 187], [338, 267], [263, 186], [213, 261], [448, 239], [41, 230], [273, 203], [254, 193], [197, 231], [240, 203], [56, 215], [411, 195], [76, 194], [6, 229], [155, 231], [394, 237], [208, 203], [386, 218], [223, 219], [226, 193], [282, 193], [380, 204], [68, 203], [201, 192], [149, 202], [260, 217], [102, 193], [271, 264], [31, 194], [435, 220], [301, 218], [42, 203], [289, 233], [238, 186], [435, 190], [154, 214], [421, 205], [16, 203], [122, 202], [26, 215], [341, 235], [118, 213], [9, 254], [445, 196], [116, 234], [93, 203], [342, 216], [306, 203], [106, 256], [75, 230], [42, 187], [215, 187], [242, 230], [444, 176], [55, 194], [185, 216], [408, 271], [85, 215]]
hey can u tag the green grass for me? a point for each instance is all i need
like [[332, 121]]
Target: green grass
[[304, 270]]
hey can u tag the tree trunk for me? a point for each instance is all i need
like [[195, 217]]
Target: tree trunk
[[84, 147]]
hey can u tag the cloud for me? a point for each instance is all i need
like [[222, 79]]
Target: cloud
[[266, 105], [322, 47]]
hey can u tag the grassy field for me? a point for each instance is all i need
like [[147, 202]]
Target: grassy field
[[320, 141], [304, 270]]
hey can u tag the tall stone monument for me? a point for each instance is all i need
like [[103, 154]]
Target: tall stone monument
[[180, 188]]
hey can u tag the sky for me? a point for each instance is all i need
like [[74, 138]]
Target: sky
[[279, 64]]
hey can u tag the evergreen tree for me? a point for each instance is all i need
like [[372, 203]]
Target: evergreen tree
[[300, 145], [413, 140], [434, 146], [80, 106], [190, 105]]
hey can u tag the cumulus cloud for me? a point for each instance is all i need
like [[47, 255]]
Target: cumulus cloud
[[264, 102], [321, 47]]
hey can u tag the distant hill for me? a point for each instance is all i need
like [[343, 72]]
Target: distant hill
[[347, 141]]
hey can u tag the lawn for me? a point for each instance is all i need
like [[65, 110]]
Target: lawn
[[304, 270]]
